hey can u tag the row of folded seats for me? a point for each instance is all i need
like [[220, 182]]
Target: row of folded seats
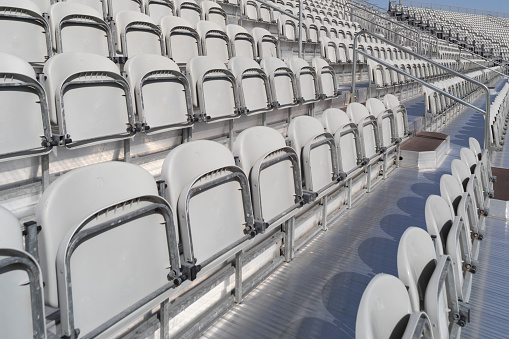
[[84, 99], [107, 236], [430, 298], [77, 27], [499, 115], [437, 103]]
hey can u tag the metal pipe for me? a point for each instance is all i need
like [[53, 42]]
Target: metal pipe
[[474, 62], [300, 29], [487, 143]]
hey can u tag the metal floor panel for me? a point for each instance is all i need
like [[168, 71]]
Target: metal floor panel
[[318, 293]]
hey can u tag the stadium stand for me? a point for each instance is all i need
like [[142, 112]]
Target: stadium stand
[[163, 161]]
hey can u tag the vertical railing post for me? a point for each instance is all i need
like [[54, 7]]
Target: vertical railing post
[[300, 29]]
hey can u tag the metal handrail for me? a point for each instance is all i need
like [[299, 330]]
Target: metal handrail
[[487, 143], [486, 67]]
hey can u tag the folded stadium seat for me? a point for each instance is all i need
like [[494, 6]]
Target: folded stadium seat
[[161, 93], [249, 9], [267, 45], [265, 13], [430, 281], [21, 284], [89, 101], [316, 150], [307, 80], [288, 28], [26, 34], [400, 115], [328, 50], [210, 79], [115, 6], [451, 236], [182, 40], [253, 85], [214, 41], [368, 129], [343, 54], [312, 31], [211, 11], [137, 33], [282, 82], [385, 121], [274, 174], [210, 199], [188, 10], [347, 139], [326, 78], [479, 169], [158, 9], [241, 42], [385, 312], [21, 93], [323, 31], [471, 184], [101, 6], [109, 244], [79, 28], [475, 147]]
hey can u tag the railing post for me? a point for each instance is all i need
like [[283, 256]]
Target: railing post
[[300, 29]]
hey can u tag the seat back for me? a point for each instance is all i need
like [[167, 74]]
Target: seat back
[[137, 33], [26, 34], [326, 78], [209, 80], [241, 41], [306, 79], [282, 80], [213, 218], [160, 92], [385, 120], [384, 309], [117, 263], [158, 9], [266, 43], [211, 11], [74, 81], [475, 147], [188, 10], [115, 6], [346, 136], [27, 132], [253, 85], [368, 128], [182, 40], [400, 114], [215, 42], [316, 151], [79, 28], [21, 314], [439, 221], [276, 189]]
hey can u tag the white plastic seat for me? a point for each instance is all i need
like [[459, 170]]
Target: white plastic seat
[[385, 121], [137, 33], [368, 128], [266, 43], [307, 80], [21, 284], [115, 6], [26, 34], [253, 85], [400, 115], [470, 182], [241, 41], [210, 80], [211, 11], [25, 128], [250, 9], [274, 174], [109, 244], [265, 13], [288, 28], [214, 41], [282, 82], [317, 153], [182, 40], [158, 9], [478, 169], [385, 312], [326, 78], [97, 99], [209, 219], [161, 93], [78, 28], [329, 49], [100, 6], [188, 10], [429, 280], [347, 138]]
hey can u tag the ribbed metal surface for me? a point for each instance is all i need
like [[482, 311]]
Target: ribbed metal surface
[[318, 293]]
